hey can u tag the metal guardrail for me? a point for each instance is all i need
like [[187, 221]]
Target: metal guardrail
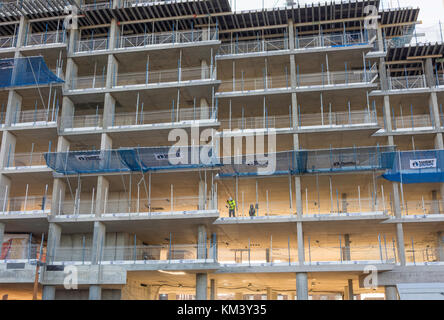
[[7, 42], [142, 40], [88, 82], [422, 207], [35, 39], [91, 45], [318, 41], [159, 117], [410, 82], [327, 120], [303, 80], [23, 205], [82, 121], [96, 5], [174, 204], [26, 160], [253, 46], [410, 122], [34, 117], [163, 76]]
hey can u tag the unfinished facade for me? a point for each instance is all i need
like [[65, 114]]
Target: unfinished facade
[[88, 190]]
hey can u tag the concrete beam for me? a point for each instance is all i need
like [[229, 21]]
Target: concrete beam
[[410, 274], [302, 286], [201, 286]]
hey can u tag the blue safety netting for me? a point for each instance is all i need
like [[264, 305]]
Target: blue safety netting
[[417, 167], [26, 71], [278, 163], [164, 158], [131, 159], [310, 162], [84, 162], [349, 159]]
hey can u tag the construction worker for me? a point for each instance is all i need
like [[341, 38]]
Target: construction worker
[[252, 211], [231, 205]]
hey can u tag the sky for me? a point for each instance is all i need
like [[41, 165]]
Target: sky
[[431, 11]]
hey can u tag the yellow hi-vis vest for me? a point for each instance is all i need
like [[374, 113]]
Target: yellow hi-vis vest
[[231, 204]]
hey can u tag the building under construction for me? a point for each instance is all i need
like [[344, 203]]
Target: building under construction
[[94, 94]]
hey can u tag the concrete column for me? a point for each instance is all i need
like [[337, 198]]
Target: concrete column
[[290, 34], [5, 191], [440, 246], [380, 38], [201, 286], [301, 248], [201, 242], [344, 203], [103, 186], [346, 250], [213, 289], [400, 243], [435, 203], [112, 71], [438, 140], [21, 34], [396, 200], [13, 107], [95, 292], [298, 192], [302, 286], [7, 150], [74, 37], [429, 73], [391, 293], [48, 293], [67, 113], [2, 233], [71, 74], [58, 196], [98, 245], [434, 108], [205, 71], [204, 109], [113, 35], [102, 195], [109, 111], [271, 294], [349, 294], [53, 243], [202, 199]]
